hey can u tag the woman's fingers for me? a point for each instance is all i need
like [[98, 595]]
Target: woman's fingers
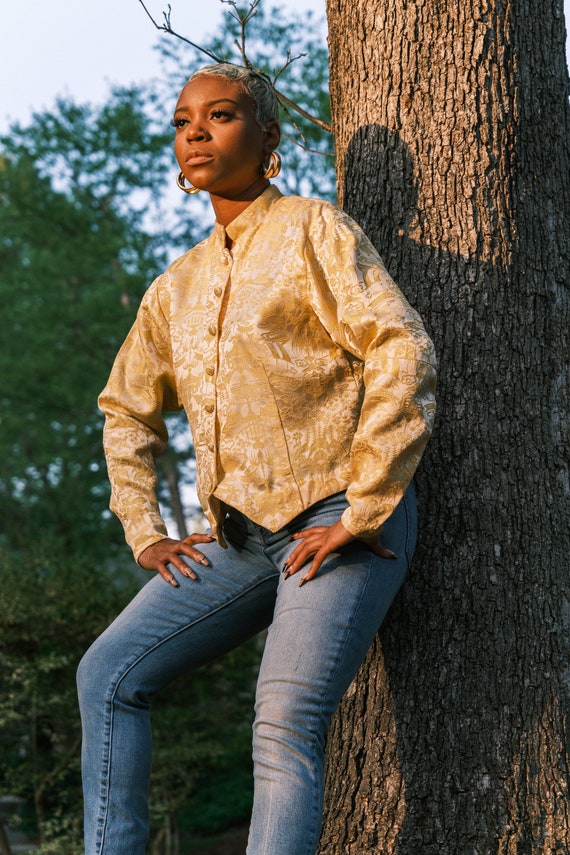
[[374, 544], [168, 551], [309, 542], [319, 542]]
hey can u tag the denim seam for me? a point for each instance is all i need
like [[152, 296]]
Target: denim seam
[[330, 681], [409, 551]]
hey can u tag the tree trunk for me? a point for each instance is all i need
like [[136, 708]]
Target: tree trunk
[[4, 842], [171, 475], [451, 125]]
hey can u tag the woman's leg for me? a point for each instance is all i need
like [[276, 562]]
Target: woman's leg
[[163, 632], [319, 636]]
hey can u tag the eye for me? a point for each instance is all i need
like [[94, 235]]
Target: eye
[[178, 123], [221, 114]]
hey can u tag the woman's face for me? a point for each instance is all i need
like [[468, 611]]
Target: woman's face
[[219, 144]]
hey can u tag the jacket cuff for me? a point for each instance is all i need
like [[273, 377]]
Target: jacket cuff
[[140, 545], [357, 526]]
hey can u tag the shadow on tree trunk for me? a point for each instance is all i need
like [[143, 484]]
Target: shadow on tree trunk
[[452, 737]]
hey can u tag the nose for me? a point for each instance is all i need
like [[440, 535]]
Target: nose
[[195, 131]]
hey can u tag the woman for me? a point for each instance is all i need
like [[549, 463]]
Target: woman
[[308, 383]]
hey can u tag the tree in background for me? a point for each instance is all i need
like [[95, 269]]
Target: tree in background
[[451, 126], [75, 262]]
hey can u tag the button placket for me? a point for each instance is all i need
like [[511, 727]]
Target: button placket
[[210, 355]]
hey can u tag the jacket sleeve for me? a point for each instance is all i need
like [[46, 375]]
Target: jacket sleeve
[[140, 389], [368, 316]]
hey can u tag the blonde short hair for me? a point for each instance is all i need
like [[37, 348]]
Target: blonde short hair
[[266, 106]]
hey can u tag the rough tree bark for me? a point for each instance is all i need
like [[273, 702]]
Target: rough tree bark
[[451, 125]]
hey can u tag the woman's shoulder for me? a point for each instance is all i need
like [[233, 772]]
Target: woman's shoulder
[[190, 257], [310, 205], [318, 220], [159, 291], [307, 210]]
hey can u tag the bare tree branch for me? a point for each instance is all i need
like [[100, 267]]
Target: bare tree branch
[[167, 28], [289, 61], [293, 106], [243, 18], [306, 148]]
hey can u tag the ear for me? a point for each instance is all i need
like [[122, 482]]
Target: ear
[[272, 137]]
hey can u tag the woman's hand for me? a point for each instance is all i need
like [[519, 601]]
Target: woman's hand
[[168, 551], [319, 542]]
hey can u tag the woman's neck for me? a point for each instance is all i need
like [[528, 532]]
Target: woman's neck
[[227, 210]]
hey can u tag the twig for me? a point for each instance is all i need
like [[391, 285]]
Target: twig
[[167, 28], [306, 147], [289, 61], [293, 106], [243, 19]]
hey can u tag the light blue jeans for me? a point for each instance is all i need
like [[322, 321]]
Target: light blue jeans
[[318, 636]]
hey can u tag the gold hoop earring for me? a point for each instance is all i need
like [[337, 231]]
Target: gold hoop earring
[[191, 190], [274, 167]]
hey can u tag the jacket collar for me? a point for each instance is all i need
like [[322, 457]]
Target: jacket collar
[[251, 217]]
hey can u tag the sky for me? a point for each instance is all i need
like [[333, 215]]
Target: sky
[[78, 48], [67, 47]]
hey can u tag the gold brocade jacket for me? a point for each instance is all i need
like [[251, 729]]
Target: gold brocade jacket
[[301, 367]]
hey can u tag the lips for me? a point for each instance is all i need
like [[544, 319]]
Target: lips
[[195, 158]]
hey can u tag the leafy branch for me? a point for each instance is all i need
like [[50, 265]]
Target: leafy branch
[[243, 18]]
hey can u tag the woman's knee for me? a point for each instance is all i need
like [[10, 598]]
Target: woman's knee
[[90, 679], [289, 721], [98, 673]]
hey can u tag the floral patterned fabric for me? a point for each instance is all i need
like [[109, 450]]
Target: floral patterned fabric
[[302, 369]]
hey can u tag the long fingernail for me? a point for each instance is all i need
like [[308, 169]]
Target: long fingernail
[[285, 568], [204, 562], [302, 582]]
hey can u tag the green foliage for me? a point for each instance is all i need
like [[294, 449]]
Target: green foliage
[[71, 301], [51, 609], [202, 733], [110, 151], [78, 247]]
